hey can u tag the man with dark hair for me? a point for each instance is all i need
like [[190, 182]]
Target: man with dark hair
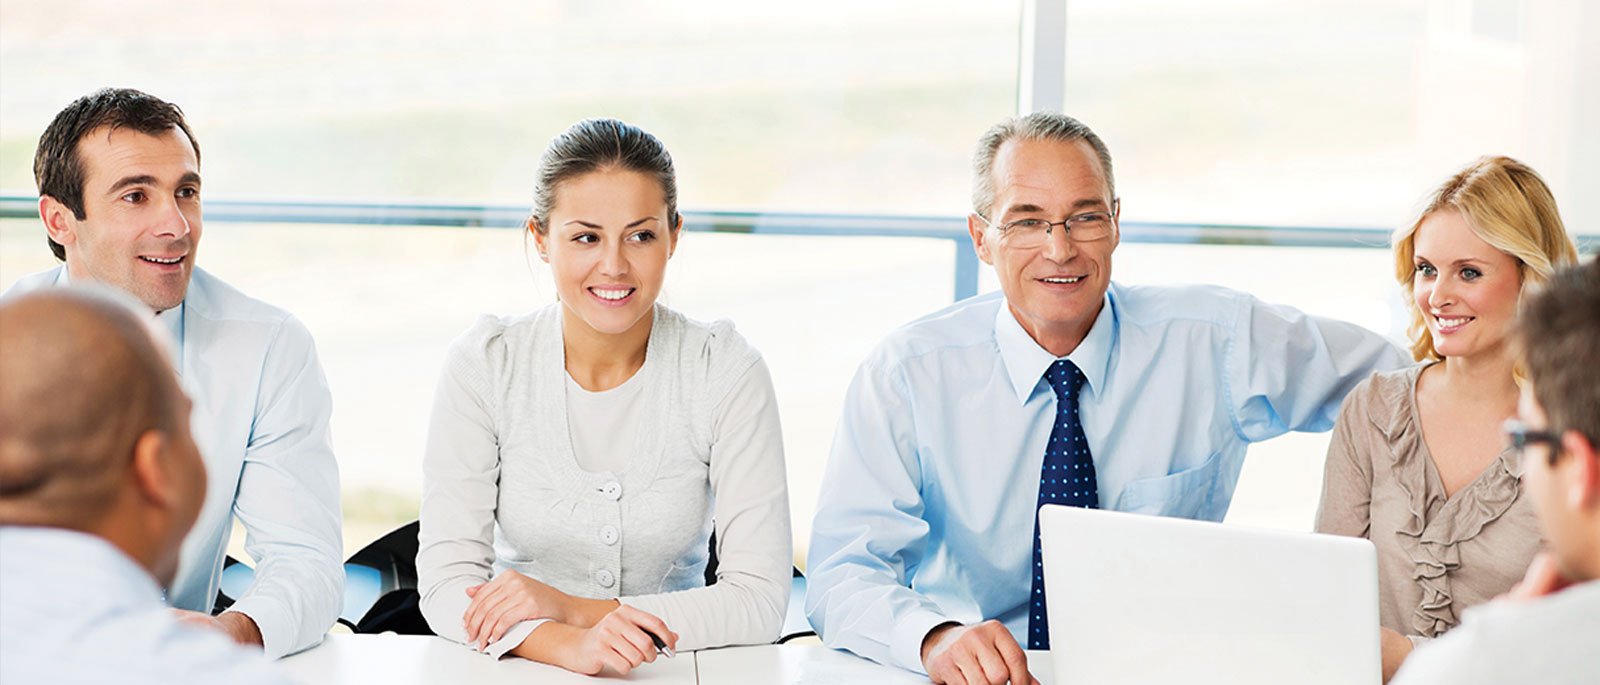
[[1547, 629], [1064, 388], [99, 483], [119, 185]]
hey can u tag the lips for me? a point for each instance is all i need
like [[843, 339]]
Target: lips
[[1060, 280], [1451, 324], [612, 295], [163, 261]]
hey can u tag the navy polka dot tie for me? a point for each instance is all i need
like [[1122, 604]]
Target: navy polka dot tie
[[1067, 478]]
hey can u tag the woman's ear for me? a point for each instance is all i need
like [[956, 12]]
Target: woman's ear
[[677, 232], [538, 239]]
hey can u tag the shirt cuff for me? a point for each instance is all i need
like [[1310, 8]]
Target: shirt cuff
[[279, 634], [514, 636], [906, 645]]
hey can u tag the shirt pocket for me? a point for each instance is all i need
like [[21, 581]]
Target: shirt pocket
[[1190, 493]]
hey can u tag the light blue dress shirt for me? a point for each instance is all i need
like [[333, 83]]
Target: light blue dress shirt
[[927, 505], [261, 414], [75, 609]]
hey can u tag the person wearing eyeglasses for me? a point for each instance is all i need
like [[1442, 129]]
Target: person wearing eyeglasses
[[1064, 387], [1545, 630], [1416, 463]]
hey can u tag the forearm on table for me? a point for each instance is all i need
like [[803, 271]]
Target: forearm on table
[[550, 643], [738, 610]]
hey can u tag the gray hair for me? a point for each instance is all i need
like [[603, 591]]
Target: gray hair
[[595, 144], [1037, 126]]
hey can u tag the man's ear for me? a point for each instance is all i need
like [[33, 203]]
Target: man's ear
[[1583, 491], [59, 222], [980, 242], [151, 472]]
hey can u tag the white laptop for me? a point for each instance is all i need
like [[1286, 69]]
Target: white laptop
[[1149, 599]]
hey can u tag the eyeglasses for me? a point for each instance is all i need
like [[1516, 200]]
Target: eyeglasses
[[1024, 234], [1520, 435]]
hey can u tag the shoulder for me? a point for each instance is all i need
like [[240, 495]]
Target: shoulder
[[492, 340], [32, 282], [1543, 640], [960, 326], [1383, 400], [1154, 305], [215, 300], [713, 350]]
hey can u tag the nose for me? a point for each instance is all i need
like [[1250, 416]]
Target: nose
[[612, 263], [1443, 293], [1057, 247], [172, 222]]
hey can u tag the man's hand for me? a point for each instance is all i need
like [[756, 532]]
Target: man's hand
[[241, 628], [984, 654], [1542, 579]]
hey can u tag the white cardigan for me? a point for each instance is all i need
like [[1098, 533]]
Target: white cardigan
[[502, 488]]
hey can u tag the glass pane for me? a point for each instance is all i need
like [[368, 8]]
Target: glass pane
[[833, 104], [1330, 112]]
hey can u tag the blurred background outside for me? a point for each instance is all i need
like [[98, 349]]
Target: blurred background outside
[[1256, 112]]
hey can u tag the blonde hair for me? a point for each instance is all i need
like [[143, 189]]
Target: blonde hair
[[1508, 206]]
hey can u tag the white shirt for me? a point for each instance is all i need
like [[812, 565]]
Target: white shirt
[[1553, 640], [602, 426], [929, 499], [261, 413], [75, 609], [503, 487]]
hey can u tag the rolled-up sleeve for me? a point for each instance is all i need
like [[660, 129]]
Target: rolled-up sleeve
[[288, 500], [869, 536], [1288, 370]]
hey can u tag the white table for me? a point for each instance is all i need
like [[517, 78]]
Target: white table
[[815, 665], [406, 659]]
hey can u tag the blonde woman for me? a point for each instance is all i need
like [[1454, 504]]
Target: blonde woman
[[1417, 463]]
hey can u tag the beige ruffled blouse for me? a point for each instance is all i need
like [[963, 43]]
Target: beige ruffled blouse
[[1437, 555]]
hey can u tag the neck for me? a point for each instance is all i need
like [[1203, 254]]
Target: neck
[[602, 361], [1059, 339], [1483, 378], [131, 531]]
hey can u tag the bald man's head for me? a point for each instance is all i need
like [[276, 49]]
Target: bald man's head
[[82, 381]]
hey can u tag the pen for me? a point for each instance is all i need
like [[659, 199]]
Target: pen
[[660, 645]]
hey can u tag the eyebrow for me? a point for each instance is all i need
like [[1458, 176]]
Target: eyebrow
[[587, 224], [1024, 208], [148, 180], [1458, 262]]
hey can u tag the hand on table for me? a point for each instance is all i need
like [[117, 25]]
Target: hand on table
[[241, 628], [984, 654], [512, 598], [618, 642]]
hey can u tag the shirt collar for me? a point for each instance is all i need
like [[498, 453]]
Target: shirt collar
[[1026, 361], [171, 319]]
